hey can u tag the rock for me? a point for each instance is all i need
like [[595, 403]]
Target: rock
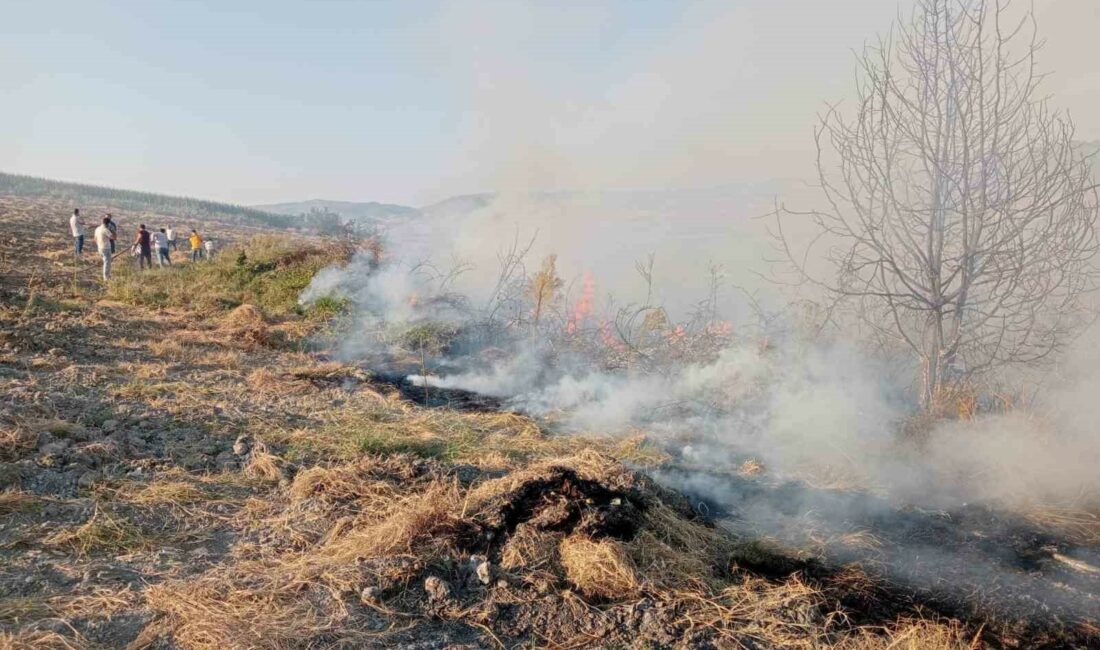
[[110, 426], [87, 479], [54, 448], [484, 572], [226, 460], [437, 588], [368, 595], [55, 352], [44, 438], [242, 445]]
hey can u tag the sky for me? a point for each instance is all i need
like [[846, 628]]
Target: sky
[[412, 101]]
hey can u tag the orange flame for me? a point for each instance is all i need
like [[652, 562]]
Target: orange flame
[[583, 307]]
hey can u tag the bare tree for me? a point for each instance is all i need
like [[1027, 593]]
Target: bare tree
[[961, 213]]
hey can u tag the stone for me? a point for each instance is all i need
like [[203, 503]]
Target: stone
[[242, 445], [484, 572], [110, 425], [437, 588], [368, 595], [87, 479], [54, 448]]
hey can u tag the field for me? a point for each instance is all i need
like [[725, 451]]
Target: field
[[182, 465]]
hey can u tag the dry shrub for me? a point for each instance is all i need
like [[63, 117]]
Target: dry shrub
[[247, 325], [673, 553], [599, 568], [531, 549]]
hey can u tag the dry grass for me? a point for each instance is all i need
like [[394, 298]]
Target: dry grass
[[14, 501], [247, 325], [14, 609], [599, 568], [264, 465], [1077, 522], [172, 349], [163, 493], [343, 484], [910, 634], [269, 381], [38, 640], [291, 600], [102, 532], [16, 443], [673, 553], [531, 549]]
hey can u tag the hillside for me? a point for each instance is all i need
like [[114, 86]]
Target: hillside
[[182, 465], [78, 194], [370, 212]]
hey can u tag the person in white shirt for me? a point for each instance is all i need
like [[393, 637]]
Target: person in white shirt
[[171, 233], [103, 240], [76, 226], [209, 246], [160, 242]]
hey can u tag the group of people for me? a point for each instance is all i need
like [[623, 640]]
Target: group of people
[[163, 240]]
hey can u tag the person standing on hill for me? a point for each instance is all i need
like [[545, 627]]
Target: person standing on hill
[[209, 246], [161, 241], [196, 246], [171, 234], [144, 243], [104, 241], [113, 227], [76, 226]]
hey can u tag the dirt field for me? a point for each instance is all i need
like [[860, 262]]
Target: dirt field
[[180, 469]]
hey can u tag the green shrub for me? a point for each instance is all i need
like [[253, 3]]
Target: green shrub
[[268, 271]]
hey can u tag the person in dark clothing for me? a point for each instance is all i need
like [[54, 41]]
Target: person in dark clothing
[[145, 248], [113, 227]]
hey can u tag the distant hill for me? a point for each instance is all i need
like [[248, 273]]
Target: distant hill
[[369, 213], [78, 193]]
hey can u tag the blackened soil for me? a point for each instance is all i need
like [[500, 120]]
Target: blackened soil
[[988, 568]]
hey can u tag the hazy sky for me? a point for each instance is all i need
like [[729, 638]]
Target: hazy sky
[[409, 101]]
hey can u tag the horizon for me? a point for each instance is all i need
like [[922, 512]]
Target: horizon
[[408, 105]]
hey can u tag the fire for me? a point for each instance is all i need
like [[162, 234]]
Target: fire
[[608, 338], [719, 328], [583, 307]]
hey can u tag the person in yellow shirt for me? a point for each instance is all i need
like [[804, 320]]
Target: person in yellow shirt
[[196, 246]]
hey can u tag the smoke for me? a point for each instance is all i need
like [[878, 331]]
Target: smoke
[[721, 381]]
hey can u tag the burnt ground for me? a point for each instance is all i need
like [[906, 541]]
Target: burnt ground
[[1028, 584], [168, 482]]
